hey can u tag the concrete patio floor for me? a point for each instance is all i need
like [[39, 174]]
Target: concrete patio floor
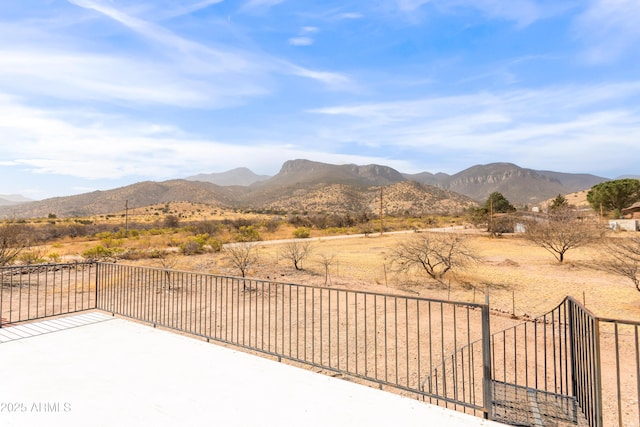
[[96, 370]]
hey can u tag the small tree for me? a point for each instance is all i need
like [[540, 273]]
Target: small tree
[[327, 261], [559, 203], [242, 255], [168, 261], [13, 240], [561, 232], [171, 221], [613, 196], [497, 203], [296, 251], [434, 253], [623, 258]]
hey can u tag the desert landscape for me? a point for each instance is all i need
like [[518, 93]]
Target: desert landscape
[[522, 280], [350, 259]]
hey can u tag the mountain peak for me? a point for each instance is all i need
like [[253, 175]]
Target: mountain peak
[[305, 171], [238, 176]]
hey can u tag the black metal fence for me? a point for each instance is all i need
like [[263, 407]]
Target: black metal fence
[[619, 355], [392, 341], [567, 367], [38, 291], [543, 370]]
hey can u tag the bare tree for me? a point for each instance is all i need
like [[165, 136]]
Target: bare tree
[[296, 251], [434, 253], [168, 261], [14, 239], [242, 255], [623, 258], [562, 231], [327, 261]]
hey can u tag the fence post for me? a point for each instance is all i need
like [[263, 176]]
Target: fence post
[[583, 354], [597, 387], [1, 297], [571, 320], [97, 283], [486, 362]]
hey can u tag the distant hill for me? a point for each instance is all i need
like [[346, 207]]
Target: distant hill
[[13, 199], [519, 185], [402, 198], [304, 185], [296, 177], [302, 172], [136, 195], [238, 176]]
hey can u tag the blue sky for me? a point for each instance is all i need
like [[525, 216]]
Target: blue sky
[[96, 94]]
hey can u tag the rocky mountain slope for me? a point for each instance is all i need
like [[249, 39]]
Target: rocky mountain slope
[[520, 185], [307, 186]]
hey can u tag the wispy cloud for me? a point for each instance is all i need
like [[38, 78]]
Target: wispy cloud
[[304, 38], [226, 61], [550, 125], [300, 41], [67, 143], [186, 9], [260, 4], [335, 81], [207, 60], [609, 29], [410, 5], [350, 15], [522, 12], [88, 77]]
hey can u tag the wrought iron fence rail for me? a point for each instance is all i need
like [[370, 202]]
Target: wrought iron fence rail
[[38, 291], [389, 340]]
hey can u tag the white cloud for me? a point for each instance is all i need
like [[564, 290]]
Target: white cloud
[[332, 80], [522, 12], [350, 15], [256, 4], [300, 41], [208, 61], [545, 127], [85, 146], [224, 60], [81, 76], [186, 9], [303, 39], [610, 29], [410, 5]]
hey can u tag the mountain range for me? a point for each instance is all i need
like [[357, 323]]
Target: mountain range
[[12, 199], [304, 185]]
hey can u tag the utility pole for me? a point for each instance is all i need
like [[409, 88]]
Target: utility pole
[[381, 211], [126, 216], [491, 215]]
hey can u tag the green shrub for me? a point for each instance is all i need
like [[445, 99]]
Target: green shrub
[[302, 232], [54, 257], [30, 257], [99, 252], [248, 233], [133, 254], [191, 247]]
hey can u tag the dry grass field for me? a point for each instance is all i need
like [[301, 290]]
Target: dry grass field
[[521, 279]]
